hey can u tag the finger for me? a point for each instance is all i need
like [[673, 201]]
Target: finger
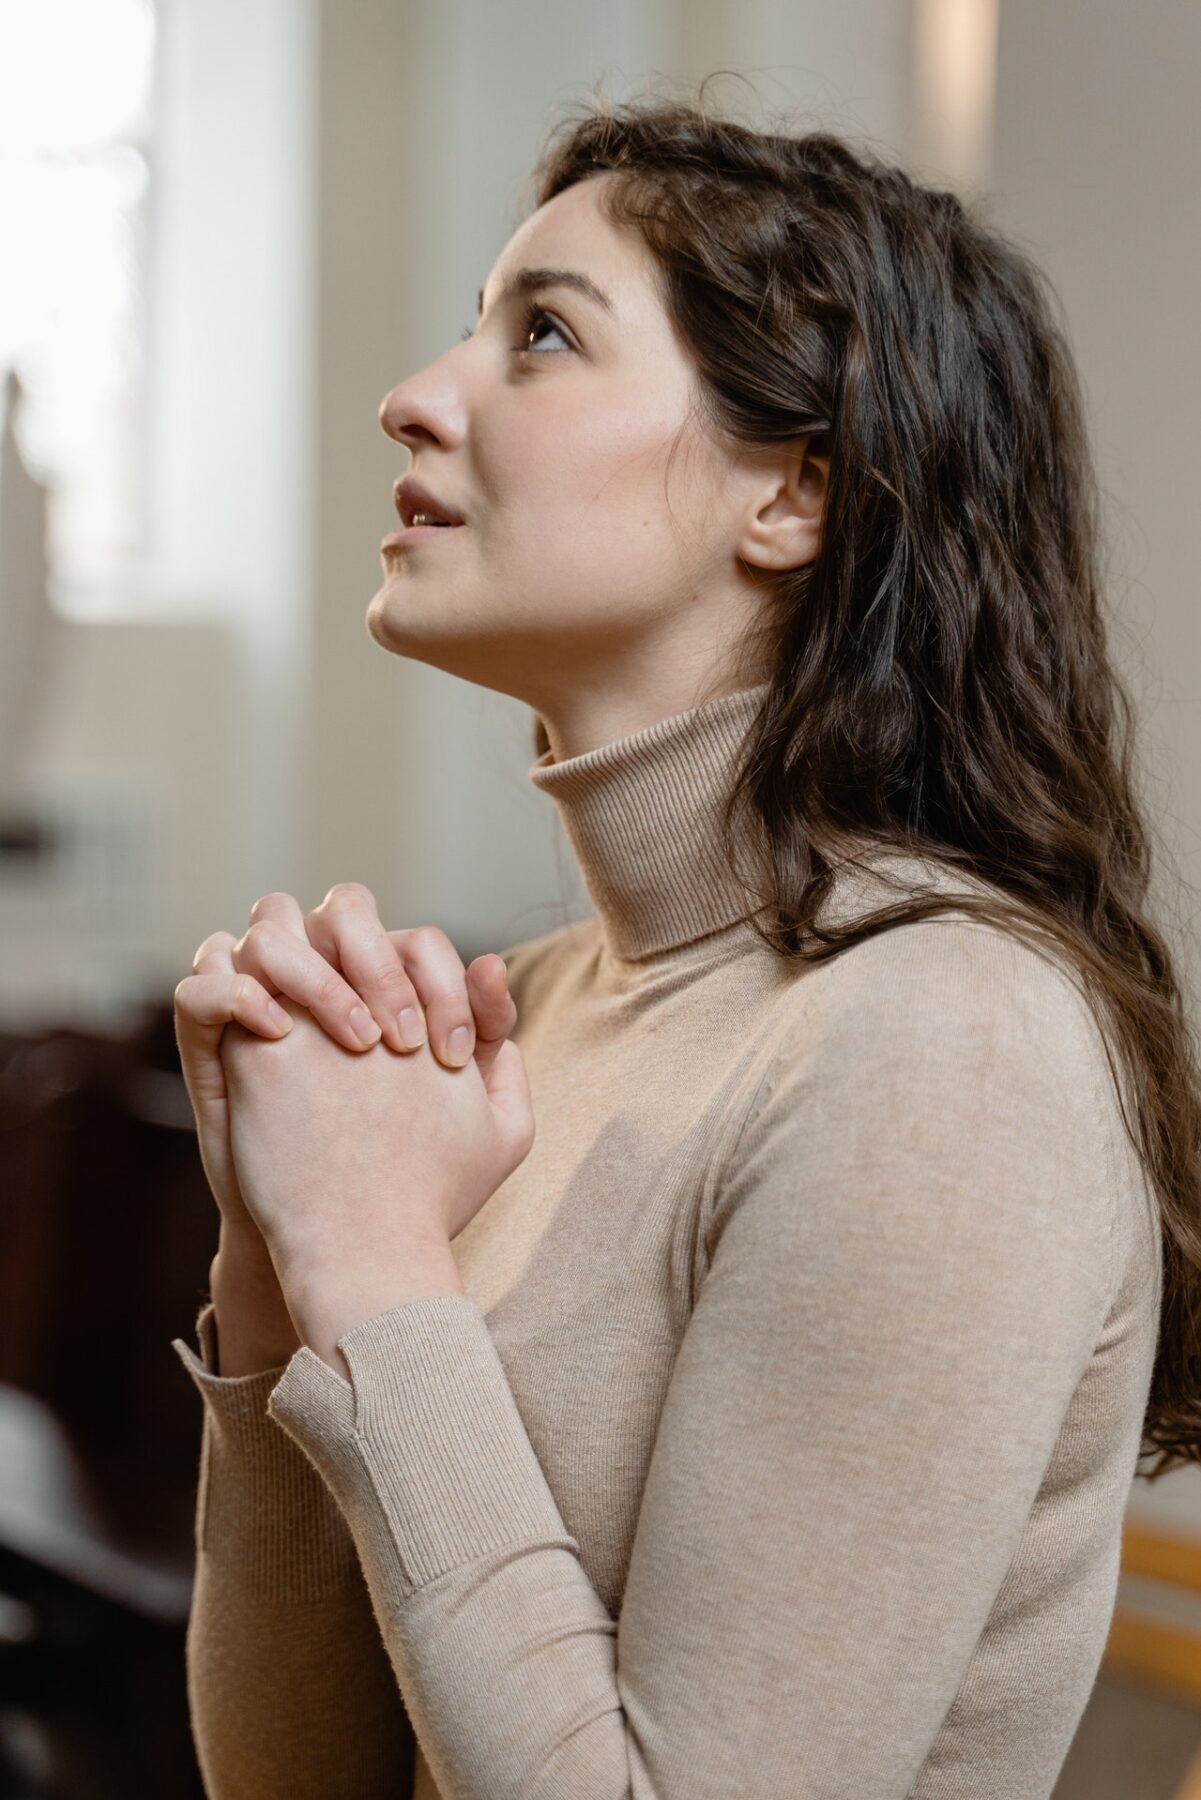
[[286, 963], [214, 958], [508, 1089], [436, 970], [493, 1006], [283, 909], [204, 1005], [494, 1013], [346, 929], [217, 945]]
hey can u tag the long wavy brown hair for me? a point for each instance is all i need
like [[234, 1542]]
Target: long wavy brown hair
[[938, 678]]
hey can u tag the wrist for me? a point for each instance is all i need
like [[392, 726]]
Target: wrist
[[255, 1330], [329, 1300], [244, 1244]]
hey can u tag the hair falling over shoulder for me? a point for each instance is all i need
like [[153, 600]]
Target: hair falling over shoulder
[[939, 678]]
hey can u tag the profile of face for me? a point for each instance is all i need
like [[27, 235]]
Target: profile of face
[[611, 552]]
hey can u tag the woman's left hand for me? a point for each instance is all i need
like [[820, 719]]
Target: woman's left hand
[[355, 1164]]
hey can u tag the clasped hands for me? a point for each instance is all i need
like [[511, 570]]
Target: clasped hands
[[357, 1157]]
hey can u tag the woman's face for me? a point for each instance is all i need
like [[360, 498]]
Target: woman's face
[[586, 567]]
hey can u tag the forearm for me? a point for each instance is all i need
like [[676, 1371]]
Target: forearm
[[290, 1691], [255, 1330], [292, 1699]]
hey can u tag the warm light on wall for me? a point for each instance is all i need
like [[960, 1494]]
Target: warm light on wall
[[954, 89]]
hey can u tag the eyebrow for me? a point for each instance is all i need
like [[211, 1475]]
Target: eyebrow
[[527, 281]]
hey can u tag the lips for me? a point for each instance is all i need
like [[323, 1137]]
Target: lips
[[412, 497]]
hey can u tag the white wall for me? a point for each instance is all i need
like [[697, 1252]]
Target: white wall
[[139, 764], [233, 420], [1097, 169], [181, 711]]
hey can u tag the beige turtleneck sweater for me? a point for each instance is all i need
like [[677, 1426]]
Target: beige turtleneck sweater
[[780, 1446]]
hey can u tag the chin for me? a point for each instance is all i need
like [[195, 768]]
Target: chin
[[395, 626], [381, 626], [375, 611]]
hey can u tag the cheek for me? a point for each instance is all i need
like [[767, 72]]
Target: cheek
[[567, 465]]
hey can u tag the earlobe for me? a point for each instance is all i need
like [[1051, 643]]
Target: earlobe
[[785, 546]]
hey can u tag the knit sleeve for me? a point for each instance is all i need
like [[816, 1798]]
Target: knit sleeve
[[289, 1689], [909, 1264]]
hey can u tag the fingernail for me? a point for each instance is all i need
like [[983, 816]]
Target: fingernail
[[365, 1027], [458, 1045], [412, 1031], [278, 1017]]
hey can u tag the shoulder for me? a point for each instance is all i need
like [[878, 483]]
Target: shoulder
[[939, 1084], [953, 990]]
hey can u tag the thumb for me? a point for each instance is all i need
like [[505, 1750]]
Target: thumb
[[508, 1090]]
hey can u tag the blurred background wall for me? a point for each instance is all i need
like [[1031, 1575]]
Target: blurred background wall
[[1097, 167], [302, 199]]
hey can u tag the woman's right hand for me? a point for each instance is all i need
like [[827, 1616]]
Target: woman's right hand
[[333, 960]]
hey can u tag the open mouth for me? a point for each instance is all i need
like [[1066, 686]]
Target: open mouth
[[397, 540]]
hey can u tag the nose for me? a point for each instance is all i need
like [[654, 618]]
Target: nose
[[419, 411], [397, 420]]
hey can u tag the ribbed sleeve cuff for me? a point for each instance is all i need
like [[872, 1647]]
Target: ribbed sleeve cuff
[[424, 1449], [261, 1508]]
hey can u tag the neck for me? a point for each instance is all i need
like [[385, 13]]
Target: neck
[[643, 813], [612, 713]]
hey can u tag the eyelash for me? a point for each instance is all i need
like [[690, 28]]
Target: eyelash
[[531, 313]]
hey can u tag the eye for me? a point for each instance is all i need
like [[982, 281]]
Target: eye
[[532, 315]]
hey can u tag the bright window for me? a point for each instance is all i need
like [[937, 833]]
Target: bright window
[[76, 95]]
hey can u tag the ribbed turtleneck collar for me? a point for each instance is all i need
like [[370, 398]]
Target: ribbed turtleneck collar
[[643, 815]]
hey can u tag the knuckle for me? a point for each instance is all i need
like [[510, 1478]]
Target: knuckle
[[429, 937], [397, 992], [449, 999], [216, 940], [391, 975], [348, 896], [256, 940], [243, 989], [329, 991], [267, 900]]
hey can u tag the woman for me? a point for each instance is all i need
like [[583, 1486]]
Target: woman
[[762, 1424]]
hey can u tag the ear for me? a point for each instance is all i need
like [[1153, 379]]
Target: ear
[[787, 508]]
